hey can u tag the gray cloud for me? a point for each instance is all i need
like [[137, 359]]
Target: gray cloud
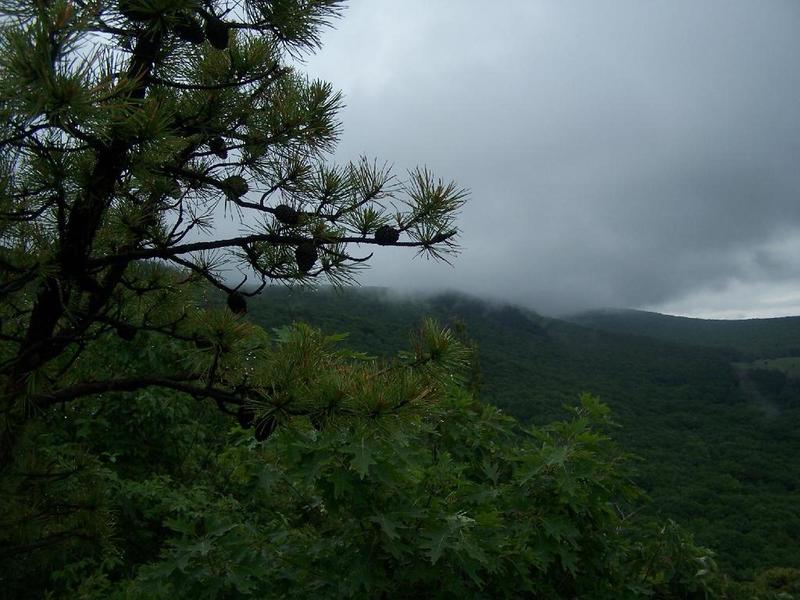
[[620, 153]]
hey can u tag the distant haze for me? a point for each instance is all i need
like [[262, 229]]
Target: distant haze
[[623, 153]]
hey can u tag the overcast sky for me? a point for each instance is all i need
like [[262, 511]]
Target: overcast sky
[[620, 153]]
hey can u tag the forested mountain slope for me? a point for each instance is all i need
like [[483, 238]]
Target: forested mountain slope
[[751, 338], [713, 458]]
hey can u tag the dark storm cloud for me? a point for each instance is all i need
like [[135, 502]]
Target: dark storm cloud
[[619, 153]]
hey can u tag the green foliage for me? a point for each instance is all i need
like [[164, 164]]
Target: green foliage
[[788, 365], [437, 497], [715, 457], [749, 338]]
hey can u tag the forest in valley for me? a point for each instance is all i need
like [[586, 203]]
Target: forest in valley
[[500, 453], [714, 427]]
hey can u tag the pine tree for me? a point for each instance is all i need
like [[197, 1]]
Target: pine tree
[[130, 129]]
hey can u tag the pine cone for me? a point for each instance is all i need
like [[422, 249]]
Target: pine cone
[[235, 186], [386, 235], [217, 32], [306, 255], [189, 30], [237, 303], [286, 214], [135, 11], [217, 146]]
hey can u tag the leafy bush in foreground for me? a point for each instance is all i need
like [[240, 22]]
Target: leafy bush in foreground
[[398, 484]]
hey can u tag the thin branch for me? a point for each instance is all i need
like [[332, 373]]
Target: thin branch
[[274, 70], [203, 272], [241, 242], [132, 384]]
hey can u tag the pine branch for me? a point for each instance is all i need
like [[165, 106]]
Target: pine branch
[[242, 241]]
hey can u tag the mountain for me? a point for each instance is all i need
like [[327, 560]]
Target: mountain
[[750, 338], [717, 446]]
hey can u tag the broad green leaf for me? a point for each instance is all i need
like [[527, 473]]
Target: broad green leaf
[[362, 458]]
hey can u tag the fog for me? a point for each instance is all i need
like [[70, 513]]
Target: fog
[[619, 153]]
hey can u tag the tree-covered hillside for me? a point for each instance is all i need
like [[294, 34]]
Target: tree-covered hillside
[[712, 457], [750, 338]]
